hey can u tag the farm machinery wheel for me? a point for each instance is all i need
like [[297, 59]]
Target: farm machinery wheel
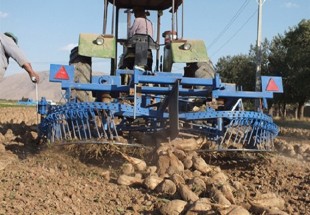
[[82, 74], [199, 70], [204, 70]]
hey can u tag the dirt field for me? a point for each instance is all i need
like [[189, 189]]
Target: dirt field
[[43, 179]]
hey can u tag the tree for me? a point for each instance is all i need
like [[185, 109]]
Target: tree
[[278, 66], [265, 51], [297, 41], [238, 69], [290, 54], [286, 55]]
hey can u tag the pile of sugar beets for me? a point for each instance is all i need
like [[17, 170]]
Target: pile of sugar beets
[[192, 186]]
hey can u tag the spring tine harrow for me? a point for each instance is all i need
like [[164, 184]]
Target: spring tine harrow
[[71, 122], [154, 102], [248, 133]]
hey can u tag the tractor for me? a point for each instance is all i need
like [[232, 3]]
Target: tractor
[[138, 97]]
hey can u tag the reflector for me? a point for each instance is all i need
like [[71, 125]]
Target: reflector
[[62, 74], [272, 86]]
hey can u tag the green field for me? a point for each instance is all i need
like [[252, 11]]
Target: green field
[[11, 103], [8, 103]]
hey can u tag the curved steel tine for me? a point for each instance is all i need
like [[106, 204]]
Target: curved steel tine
[[113, 125], [103, 123], [93, 116]]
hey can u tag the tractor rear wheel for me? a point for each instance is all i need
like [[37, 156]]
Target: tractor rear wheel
[[82, 74], [199, 70], [204, 70]]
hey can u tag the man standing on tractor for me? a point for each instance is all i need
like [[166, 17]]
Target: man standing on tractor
[[141, 25], [9, 48]]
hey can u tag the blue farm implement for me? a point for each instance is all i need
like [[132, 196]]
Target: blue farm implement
[[159, 102]]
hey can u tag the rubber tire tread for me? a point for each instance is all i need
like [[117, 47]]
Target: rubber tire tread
[[82, 74]]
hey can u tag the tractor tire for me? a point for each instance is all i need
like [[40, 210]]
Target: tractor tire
[[82, 74], [204, 70], [199, 70]]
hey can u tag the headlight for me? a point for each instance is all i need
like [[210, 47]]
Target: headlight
[[100, 40], [187, 46]]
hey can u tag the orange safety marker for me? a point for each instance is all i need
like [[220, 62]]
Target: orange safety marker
[[62, 74], [272, 86]]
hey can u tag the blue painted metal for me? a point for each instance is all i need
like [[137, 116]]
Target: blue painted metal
[[68, 70], [26, 101], [43, 106], [277, 81], [155, 101]]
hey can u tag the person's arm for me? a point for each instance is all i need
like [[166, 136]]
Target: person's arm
[[32, 74], [13, 51]]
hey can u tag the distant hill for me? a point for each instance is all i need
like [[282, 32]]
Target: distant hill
[[16, 86]]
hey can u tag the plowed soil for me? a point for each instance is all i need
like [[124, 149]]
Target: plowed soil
[[47, 179]]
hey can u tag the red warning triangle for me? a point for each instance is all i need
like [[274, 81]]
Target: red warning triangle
[[272, 86], [62, 74]]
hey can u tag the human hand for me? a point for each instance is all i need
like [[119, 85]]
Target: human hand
[[35, 78]]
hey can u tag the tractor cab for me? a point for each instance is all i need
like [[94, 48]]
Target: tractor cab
[[164, 47]]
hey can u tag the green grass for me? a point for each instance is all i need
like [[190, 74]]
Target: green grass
[[10, 103], [7, 103]]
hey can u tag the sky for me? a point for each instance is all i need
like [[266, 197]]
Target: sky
[[48, 29]]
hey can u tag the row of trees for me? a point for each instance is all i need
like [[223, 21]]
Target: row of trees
[[286, 55]]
